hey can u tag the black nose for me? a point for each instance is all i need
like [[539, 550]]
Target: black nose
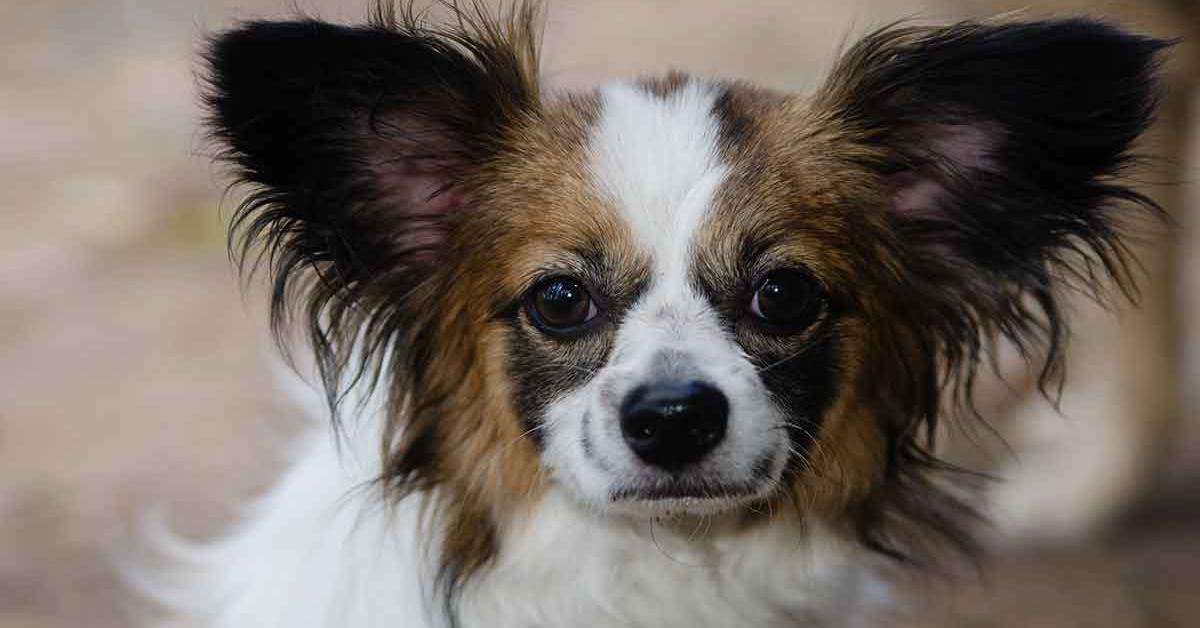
[[673, 425]]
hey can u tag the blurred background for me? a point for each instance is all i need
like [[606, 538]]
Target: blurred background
[[137, 377]]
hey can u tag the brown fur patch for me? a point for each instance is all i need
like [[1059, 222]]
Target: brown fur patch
[[798, 196], [664, 86], [532, 211]]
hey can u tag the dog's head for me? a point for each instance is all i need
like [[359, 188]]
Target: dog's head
[[677, 295]]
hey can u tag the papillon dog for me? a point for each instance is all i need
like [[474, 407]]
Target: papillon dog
[[668, 353]]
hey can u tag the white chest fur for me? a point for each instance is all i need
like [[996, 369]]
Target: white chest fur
[[567, 567], [322, 550]]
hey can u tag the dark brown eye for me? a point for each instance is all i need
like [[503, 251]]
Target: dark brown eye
[[559, 305], [787, 301]]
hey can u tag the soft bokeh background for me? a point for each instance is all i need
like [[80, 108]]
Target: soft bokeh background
[[135, 375]]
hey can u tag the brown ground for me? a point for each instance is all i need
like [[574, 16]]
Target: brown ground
[[135, 374]]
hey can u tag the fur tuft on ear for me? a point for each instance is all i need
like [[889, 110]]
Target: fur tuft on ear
[[1000, 147], [358, 144]]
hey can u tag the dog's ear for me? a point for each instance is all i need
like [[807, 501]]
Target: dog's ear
[[359, 144], [1000, 147]]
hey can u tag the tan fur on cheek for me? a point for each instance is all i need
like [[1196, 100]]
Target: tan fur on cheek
[[490, 465], [844, 463], [486, 449], [480, 461], [527, 213]]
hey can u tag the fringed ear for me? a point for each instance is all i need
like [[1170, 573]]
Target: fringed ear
[[359, 144], [998, 149], [1001, 146]]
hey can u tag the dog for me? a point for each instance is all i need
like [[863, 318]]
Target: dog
[[672, 352]]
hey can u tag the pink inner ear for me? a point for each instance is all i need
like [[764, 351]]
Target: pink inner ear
[[424, 190], [423, 186], [957, 149], [412, 170]]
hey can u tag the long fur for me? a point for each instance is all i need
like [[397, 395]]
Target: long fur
[[971, 174], [989, 256]]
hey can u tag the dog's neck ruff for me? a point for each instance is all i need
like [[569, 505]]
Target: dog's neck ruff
[[323, 549]]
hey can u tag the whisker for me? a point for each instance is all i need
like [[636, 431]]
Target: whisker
[[699, 524], [810, 345], [555, 367], [483, 470], [820, 447], [819, 451]]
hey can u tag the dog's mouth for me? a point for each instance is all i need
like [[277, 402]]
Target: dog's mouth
[[695, 491], [683, 489], [687, 496]]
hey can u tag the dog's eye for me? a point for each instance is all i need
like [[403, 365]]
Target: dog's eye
[[787, 301], [560, 305]]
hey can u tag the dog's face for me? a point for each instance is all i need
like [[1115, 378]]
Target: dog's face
[[679, 295], [673, 343]]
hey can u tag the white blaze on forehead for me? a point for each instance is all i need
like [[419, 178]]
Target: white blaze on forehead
[[657, 161]]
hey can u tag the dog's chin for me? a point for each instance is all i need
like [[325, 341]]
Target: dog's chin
[[681, 498]]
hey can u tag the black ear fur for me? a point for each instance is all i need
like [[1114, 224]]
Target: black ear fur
[[1003, 144], [1002, 147], [355, 142]]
